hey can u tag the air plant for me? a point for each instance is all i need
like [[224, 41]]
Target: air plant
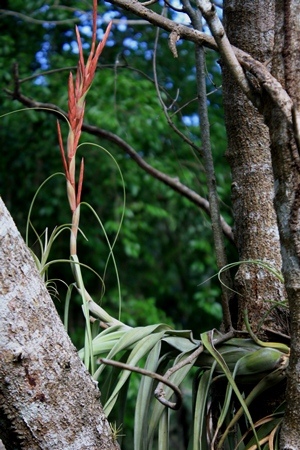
[[77, 91]]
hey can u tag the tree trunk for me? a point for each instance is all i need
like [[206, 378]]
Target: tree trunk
[[249, 25], [48, 400], [286, 165]]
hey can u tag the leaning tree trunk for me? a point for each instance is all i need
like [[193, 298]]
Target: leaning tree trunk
[[48, 400], [249, 25]]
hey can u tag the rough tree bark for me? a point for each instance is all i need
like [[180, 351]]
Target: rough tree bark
[[250, 26], [48, 400], [286, 166], [271, 33]]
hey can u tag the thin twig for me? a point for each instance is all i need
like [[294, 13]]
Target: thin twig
[[191, 359], [181, 10], [153, 375], [259, 70], [215, 25], [120, 65], [149, 2], [31, 19], [221, 258], [277, 333], [164, 107]]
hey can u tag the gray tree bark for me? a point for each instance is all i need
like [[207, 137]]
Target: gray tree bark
[[286, 166], [48, 400], [250, 26], [274, 28]]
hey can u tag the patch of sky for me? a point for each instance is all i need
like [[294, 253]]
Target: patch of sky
[[48, 26], [144, 45], [191, 121], [40, 81], [169, 85], [122, 26], [102, 23], [85, 30], [108, 16], [184, 19], [220, 12], [72, 46], [44, 8], [100, 33], [110, 43], [131, 44], [148, 55], [84, 17], [41, 55], [179, 16]]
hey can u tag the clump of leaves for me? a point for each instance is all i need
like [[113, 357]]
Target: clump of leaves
[[245, 367]]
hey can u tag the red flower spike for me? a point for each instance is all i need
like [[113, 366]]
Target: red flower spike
[[94, 26], [71, 196], [71, 170], [77, 131], [80, 68], [94, 34], [80, 182], [92, 61], [77, 90], [62, 151], [71, 102]]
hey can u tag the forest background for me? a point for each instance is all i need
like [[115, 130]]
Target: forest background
[[143, 111], [164, 251]]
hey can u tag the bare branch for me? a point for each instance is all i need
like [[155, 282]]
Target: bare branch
[[267, 82], [210, 14], [161, 101], [158, 394], [163, 22], [130, 21], [149, 2], [173, 7], [208, 163], [31, 19], [191, 359], [259, 70]]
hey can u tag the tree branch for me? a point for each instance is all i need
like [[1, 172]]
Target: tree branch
[[257, 69], [158, 20], [173, 183], [215, 25], [159, 394]]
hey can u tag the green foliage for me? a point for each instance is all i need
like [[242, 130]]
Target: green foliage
[[225, 367]]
